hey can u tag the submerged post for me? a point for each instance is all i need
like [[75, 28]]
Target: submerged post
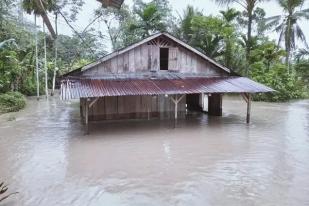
[[86, 116], [176, 100], [248, 108], [176, 106]]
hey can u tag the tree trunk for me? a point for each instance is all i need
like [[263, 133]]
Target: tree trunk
[[249, 36], [288, 44], [56, 56], [37, 60], [45, 62]]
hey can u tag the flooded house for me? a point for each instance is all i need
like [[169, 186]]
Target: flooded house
[[159, 77]]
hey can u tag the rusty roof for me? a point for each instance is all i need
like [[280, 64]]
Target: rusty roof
[[75, 88]]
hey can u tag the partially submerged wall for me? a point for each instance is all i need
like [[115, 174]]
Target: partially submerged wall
[[135, 107]]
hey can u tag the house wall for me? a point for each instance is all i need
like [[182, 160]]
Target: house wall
[[135, 107], [147, 58]]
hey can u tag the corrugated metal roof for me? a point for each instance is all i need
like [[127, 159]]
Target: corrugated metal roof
[[97, 87]]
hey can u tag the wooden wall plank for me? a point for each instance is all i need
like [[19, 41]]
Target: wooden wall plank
[[131, 61]]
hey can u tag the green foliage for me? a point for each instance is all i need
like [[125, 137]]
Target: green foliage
[[301, 68], [29, 87], [287, 25], [150, 18], [185, 31], [236, 39], [126, 26], [207, 35], [287, 86], [12, 102]]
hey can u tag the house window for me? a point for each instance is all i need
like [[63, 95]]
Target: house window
[[163, 58]]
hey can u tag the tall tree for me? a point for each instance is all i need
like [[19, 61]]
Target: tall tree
[[288, 28], [185, 25], [151, 17], [229, 16], [208, 35], [249, 6], [117, 22]]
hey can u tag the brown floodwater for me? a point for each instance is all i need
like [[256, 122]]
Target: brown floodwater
[[203, 161]]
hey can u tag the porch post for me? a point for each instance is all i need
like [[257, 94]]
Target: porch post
[[176, 106], [247, 98], [86, 116], [176, 100], [248, 108]]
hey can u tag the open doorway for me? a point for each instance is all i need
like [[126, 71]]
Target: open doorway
[[164, 58], [193, 102]]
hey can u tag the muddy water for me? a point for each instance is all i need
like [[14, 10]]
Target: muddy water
[[204, 161]]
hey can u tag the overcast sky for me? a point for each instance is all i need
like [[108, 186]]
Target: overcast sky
[[207, 6]]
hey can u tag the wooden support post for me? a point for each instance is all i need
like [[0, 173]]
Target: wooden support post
[[247, 98], [248, 108], [86, 117], [176, 100], [81, 107], [93, 102]]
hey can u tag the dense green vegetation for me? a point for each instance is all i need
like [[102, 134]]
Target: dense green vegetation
[[235, 38], [11, 102]]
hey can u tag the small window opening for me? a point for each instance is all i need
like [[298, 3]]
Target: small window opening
[[163, 58]]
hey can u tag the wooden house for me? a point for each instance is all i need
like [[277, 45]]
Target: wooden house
[[158, 77]]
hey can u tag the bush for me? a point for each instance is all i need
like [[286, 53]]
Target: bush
[[29, 87], [287, 86], [12, 102]]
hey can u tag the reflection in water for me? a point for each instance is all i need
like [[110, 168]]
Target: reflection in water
[[204, 161]]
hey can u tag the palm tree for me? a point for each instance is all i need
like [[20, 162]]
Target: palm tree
[[249, 6], [288, 28], [151, 18], [229, 16], [185, 30], [30, 6]]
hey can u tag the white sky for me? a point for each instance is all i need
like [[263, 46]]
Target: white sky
[[207, 6]]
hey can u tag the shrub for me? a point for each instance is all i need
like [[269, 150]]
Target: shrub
[[12, 102], [29, 87], [287, 86]]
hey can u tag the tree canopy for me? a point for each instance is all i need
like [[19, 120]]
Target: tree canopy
[[283, 65]]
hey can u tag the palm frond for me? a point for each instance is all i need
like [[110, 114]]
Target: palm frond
[[300, 34], [302, 14], [281, 37]]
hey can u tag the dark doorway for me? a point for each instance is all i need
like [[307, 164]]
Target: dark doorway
[[193, 102], [163, 58]]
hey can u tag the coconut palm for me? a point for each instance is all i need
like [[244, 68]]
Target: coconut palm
[[229, 16], [288, 28], [150, 17], [185, 31], [249, 6], [30, 6]]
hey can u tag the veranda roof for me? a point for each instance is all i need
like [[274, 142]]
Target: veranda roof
[[156, 84]]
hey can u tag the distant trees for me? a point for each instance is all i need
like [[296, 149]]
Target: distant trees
[[236, 39], [287, 25], [249, 7]]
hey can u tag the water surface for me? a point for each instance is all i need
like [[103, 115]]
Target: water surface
[[204, 161]]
